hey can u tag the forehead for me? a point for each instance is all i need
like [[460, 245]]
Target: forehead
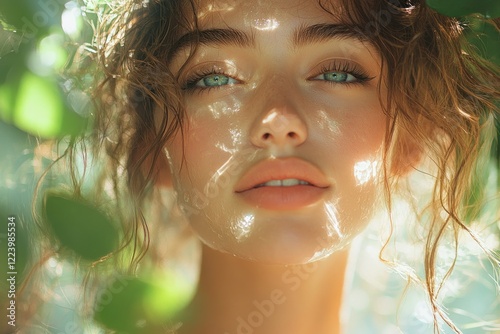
[[263, 15], [278, 25]]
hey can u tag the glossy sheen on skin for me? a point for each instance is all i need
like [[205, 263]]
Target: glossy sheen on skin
[[277, 108]]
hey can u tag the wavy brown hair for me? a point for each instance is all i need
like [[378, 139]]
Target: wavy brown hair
[[440, 102]]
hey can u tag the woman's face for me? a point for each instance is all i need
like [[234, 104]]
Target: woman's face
[[280, 152]]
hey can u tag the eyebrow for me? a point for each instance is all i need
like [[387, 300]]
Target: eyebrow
[[301, 36], [212, 37], [326, 31]]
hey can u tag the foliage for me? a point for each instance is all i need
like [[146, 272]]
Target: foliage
[[34, 95], [457, 8], [140, 306], [80, 227]]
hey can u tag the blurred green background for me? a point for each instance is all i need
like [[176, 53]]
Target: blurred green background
[[43, 44]]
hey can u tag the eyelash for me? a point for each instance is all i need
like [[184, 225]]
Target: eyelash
[[337, 66], [361, 75], [193, 79]]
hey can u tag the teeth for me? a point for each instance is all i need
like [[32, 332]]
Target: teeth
[[284, 183], [290, 182], [273, 183]]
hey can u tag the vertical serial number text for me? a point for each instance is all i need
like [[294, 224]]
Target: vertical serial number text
[[11, 270]]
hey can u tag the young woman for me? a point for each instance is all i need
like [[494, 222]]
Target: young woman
[[284, 128]]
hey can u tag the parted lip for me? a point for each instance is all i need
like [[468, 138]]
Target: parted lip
[[281, 169]]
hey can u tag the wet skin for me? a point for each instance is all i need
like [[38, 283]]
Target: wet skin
[[273, 83]]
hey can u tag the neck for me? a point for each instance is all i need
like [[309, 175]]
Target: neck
[[240, 297]]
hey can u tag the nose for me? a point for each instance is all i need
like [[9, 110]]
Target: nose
[[279, 127]]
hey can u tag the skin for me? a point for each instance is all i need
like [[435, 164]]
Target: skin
[[276, 100]]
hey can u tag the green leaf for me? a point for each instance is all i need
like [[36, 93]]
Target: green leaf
[[36, 105], [132, 304], [457, 8], [80, 227], [8, 93], [9, 42], [33, 18], [171, 295]]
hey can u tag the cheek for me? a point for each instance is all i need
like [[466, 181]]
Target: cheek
[[361, 145], [193, 155], [362, 120], [362, 141], [213, 128], [206, 157], [355, 157], [351, 130]]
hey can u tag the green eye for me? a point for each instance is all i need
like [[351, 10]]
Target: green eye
[[215, 80], [337, 77]]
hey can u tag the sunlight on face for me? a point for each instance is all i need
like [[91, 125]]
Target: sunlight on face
[[365, 171], [265, 24], [283, 130]]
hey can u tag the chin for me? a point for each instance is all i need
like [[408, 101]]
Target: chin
[[281, 237], [288, 245]]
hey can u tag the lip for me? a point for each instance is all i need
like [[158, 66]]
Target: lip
[[282, 198]]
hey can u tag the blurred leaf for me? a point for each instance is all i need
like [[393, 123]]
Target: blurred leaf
[[486, 39], [132, 304], [457, 8], [80, 227], [13, 55], [36, 105], [9, 42], [8, 94], [175, 293], [32, 18]]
